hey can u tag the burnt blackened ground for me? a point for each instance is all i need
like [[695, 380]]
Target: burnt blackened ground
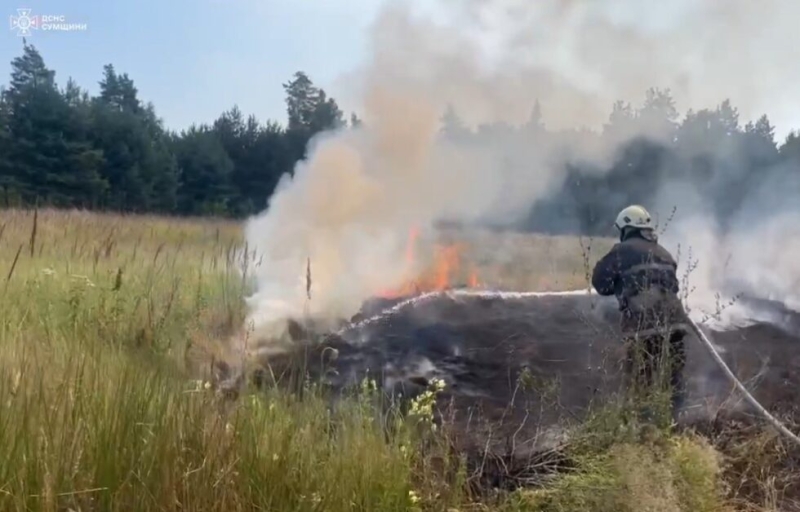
[[518, 369]]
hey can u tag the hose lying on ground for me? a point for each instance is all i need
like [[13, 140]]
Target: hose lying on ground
[[752, 401]]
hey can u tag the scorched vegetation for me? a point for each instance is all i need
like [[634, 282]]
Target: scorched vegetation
[[109, 325]]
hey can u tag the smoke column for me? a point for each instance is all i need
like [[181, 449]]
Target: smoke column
[[349, 207]]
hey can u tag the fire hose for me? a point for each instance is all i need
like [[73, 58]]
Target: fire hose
[[750, 399], [693, 326]]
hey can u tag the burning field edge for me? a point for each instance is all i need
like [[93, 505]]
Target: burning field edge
[[111, 380], [411, 345], [507, 462]]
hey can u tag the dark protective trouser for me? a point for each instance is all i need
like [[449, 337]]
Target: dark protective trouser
[[654, 326]]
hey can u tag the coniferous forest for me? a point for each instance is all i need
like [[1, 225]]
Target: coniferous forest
[[61, 147]]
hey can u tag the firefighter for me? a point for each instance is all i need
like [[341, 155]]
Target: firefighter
[[642, 276]]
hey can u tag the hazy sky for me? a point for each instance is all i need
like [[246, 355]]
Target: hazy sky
[[195, 58]]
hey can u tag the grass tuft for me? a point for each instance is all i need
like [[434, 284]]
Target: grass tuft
[[109, 325]]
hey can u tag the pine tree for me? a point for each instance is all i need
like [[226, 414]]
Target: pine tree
[[139, 168], [205, 170], [51, 157], [310, 111], [8, 182], [301, 100]]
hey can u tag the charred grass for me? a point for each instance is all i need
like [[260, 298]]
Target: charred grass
[[108, 321]]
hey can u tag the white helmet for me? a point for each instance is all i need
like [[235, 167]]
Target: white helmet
[[634, 216]]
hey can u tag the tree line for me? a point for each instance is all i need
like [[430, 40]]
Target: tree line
[[706, 162], [62, 147]]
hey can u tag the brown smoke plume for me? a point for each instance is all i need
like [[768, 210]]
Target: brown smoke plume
[[349, 207]]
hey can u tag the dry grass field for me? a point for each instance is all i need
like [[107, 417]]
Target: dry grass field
[[108, 321]]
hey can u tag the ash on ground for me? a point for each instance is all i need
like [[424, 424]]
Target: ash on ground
[[519, 367]]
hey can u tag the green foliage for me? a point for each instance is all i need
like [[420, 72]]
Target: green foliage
[[682, 475], [205, 168], [109, 319], [623, 465], [106, 323], [111, 152], [48, 153], [92, 421]]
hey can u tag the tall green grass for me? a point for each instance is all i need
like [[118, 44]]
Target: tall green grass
[[101, 315], [106, 323]]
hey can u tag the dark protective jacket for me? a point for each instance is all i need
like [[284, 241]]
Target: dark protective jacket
[[642, 275]]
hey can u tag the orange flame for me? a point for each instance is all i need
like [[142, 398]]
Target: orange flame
[[473, 279], [440, 276]]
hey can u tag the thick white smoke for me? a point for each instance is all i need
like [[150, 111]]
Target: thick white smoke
[[755, 257], [348, 209]]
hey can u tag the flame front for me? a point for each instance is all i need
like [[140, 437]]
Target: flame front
[[441, 275]]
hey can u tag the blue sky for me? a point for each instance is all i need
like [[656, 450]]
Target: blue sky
[[196, 58]]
